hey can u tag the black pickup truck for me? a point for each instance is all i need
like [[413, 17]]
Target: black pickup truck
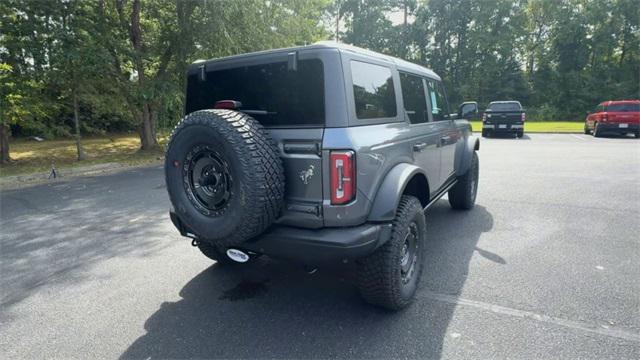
[[503, 117]]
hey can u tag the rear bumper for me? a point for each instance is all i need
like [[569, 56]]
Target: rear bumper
[[615, 127], [498, 127], [312, 246]]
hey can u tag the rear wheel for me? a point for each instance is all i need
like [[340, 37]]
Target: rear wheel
[[390, 276], [637, 134], [462, 196], [485, 133], [520, 134]]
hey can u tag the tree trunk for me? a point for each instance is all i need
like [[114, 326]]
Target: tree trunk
[[76, 121], [147, 127], [148, 139], [4, 144], [338, 24]]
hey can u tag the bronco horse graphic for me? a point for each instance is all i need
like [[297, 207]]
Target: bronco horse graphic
[[305, 175]]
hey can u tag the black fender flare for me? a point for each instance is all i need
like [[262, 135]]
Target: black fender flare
[[472, 144], [389, 193]]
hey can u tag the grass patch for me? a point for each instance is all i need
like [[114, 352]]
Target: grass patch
[[32, 156], [544, 126]]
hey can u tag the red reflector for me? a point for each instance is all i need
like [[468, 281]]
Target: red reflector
[[343, 177], [227, 104]]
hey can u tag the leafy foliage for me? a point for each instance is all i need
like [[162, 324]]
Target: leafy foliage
[[558, 57], [125, 60]]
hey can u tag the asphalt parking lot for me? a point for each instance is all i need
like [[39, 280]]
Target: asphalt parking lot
[[545, 266]]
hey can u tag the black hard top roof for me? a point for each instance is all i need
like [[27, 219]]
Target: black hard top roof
[[399, 63]]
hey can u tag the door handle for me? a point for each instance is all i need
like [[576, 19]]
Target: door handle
[[419, 147]]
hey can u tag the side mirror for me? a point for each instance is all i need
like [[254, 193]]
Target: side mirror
[[468, 110]]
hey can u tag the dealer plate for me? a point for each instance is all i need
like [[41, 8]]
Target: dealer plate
[[502, 126]]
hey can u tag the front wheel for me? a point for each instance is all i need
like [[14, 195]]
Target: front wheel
[[462, 196], [390, 276]]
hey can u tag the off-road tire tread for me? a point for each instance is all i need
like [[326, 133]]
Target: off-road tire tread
[[262, 160], [459, 198], [377, 274]]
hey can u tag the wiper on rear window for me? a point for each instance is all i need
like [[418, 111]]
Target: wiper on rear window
[[259, 112]]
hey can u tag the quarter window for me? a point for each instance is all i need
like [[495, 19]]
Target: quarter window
[[413, 96], [438, 101], [373, 91]]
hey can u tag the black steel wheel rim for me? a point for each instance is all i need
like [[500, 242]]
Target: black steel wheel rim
[[208, 181], [409, 255]]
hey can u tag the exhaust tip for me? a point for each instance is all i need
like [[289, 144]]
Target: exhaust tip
[[238, 255]]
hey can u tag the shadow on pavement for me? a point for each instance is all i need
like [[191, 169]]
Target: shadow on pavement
[[49, 232], [273, 309]]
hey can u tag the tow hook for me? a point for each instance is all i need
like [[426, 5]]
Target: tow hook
[[195, 242]]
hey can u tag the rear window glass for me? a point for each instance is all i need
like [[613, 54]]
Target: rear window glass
[[373, 91], [628, 107], [505, 107], [272, 94], [413, 95]]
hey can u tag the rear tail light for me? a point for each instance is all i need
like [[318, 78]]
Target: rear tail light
[[484, 117], [343, 177], [523, 117]]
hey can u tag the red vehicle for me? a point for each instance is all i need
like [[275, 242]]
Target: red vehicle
[[622, 117]]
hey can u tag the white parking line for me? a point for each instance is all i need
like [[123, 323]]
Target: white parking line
[[578, 137], [605, 330]]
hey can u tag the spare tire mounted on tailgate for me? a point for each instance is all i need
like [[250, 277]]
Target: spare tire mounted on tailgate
[[224, 176]]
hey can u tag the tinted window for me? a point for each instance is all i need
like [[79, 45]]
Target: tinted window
[[414, 98], [438, 101], [373, 91], [277, 96], [625, 107], [511, 106]]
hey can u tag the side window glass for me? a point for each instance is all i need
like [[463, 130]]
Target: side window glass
[[415, 101], [373, 91], [438, 101]]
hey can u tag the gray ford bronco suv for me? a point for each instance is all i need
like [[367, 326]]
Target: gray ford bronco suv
[[318, 154]]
